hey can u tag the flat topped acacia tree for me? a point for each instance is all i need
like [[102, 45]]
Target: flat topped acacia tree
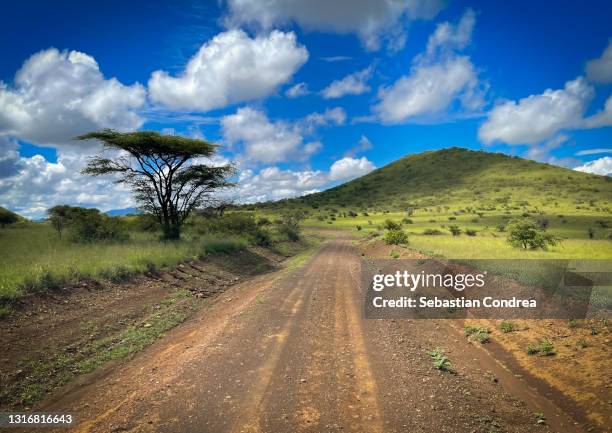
[[162, 171]]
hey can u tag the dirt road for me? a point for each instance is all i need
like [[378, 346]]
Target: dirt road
[[290, 351]]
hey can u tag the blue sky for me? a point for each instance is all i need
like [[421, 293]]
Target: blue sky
[[371, 82]]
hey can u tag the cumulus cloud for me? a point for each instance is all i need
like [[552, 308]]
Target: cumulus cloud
[[602, 166], [538, 117], [267, 141], [374, 21], [300, 89], [353, 84], [38, 184], [264, 140], [438, 78], [273, 183], [350, 168], [230, 68], [428, 90], [600, 69], [59, 94], [602, 118]]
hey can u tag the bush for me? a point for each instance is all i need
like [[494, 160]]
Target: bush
[[407, 221], [358, 228], [526, 233], [507, 327], [392, 225], [290, 227], [477, 333], [237, 224], [89, 225], [396, 237], [470, 232], [455, 230], [440, 360], [432, 232], [7, 217]]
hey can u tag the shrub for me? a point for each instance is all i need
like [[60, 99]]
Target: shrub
[[396, 237], [440, 360], [507, 327], [477, 333], [432, 232], [89, 225], [392, 225], [547, 348], [528, 234], [470, 232], [455, 230], [7, 217], [290, 228], [358, 228], [237, 224], [407, 221]]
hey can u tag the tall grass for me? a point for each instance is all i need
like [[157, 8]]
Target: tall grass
[[32, 257]]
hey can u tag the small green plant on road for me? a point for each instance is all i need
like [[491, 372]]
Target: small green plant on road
[[440, 360]]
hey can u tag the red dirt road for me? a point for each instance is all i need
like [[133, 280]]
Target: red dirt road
[[290, 351]]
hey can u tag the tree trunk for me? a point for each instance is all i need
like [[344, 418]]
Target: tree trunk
[[172, 232]]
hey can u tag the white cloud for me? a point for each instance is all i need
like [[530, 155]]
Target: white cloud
[[602, 166], [300, 89], [335, 116], [542, 152], [427, 91], [263, 140], [273, 183], [538, 117], [58, 95], [593, 151], [350, 168], [372, 20], [602, 118], [438, 79], [269, 141], [38, 184], [600, 69], [449, 37], [230, 68], [353, 84], [333, 59]]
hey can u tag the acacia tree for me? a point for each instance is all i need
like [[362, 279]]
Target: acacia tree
[[162, 171]]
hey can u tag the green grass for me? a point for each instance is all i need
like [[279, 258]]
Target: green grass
[[32, 258], [454, 179], [488, 242], [475, 191]]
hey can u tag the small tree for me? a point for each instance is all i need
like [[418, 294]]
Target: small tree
[[163, 173], [395, 237], [455, 230], [59, 216], [528, 234], [392, 225], [7, 217]]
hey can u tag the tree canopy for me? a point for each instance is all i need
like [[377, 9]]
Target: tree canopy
[[166, 172]]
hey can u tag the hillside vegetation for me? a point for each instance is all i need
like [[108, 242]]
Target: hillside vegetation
[[458, 203], [456, 178]]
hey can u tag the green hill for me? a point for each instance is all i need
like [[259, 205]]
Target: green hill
[[457, 178]]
